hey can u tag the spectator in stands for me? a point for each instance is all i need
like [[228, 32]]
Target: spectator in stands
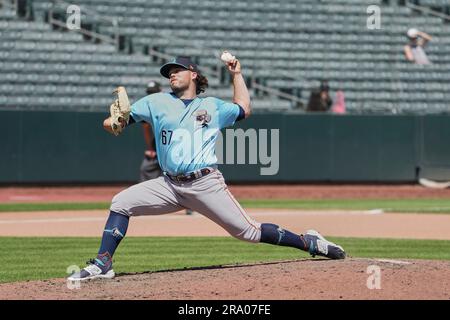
[[150, 168], [339, 105], [414, 50], [320, 99]]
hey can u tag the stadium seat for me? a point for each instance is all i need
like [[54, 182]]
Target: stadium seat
[[286, 45]]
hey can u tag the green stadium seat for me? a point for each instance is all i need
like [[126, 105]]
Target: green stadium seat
[[287, 45]]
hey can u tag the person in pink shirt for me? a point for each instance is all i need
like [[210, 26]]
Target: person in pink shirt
[[339, 104]]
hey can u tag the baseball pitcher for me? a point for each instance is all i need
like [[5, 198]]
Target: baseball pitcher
[[186, 129]]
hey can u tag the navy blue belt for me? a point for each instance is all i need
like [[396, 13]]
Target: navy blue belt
[[190, 176]]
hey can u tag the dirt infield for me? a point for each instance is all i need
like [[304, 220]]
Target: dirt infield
[[300, 279], [105, 193], [330, 223], [289, 280]]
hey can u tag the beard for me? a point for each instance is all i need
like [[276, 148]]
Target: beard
[[179, 87]]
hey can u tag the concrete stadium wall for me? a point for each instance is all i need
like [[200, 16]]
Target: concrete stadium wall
[[66, 147]]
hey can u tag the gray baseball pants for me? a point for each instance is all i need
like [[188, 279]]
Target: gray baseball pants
[[208, 195]]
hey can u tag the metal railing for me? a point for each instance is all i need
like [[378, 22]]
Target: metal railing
[[217, 73], [166, 57], [427, 10], [58, 5], [275, 92]]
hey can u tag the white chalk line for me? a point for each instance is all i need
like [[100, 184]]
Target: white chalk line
[[394, 261]]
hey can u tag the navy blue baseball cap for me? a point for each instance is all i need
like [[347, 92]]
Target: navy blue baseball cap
[[184, 62]]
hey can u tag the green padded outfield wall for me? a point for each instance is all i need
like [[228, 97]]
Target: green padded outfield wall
[[323, 148], [434, 147], [67, 147]]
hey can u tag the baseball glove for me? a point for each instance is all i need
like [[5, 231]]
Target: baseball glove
[[120, 111]]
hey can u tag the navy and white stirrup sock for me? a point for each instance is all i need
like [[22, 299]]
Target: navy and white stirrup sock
[[115, 230], [273, 234]]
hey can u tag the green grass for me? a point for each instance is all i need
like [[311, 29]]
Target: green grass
[[44, 258], [388, 205], [403, 205]]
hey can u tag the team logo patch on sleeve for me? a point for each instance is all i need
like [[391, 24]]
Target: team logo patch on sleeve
[[202, 118]]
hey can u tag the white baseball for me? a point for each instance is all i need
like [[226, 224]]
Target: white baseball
[[227, 57]]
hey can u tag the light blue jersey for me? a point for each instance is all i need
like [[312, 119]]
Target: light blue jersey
[[185, 135]]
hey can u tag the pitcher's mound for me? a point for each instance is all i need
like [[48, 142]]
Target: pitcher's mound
[[298, 280]]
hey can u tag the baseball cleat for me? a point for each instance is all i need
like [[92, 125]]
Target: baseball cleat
[[93, 271], [318, 245]]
